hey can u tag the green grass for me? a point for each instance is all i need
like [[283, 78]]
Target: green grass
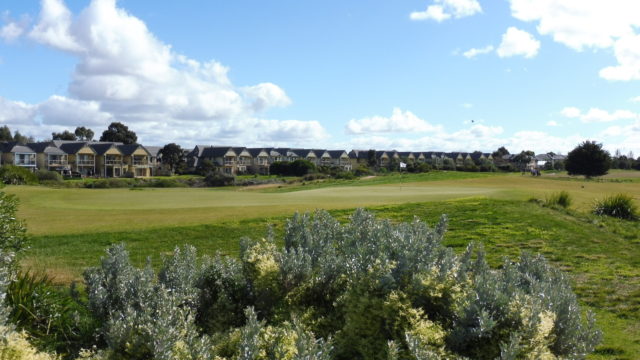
[[62, 211], [600, 254]]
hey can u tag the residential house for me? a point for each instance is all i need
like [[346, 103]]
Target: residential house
[[136, 159], [155, 158], [340, 159], [81, 157], [17, 154], [260, 160], [109, 160], [407, 157], [50, 157]]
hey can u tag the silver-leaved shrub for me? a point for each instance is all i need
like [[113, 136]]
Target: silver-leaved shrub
[[367, 289]]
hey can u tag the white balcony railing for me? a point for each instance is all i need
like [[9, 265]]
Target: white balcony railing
[[58, 163], [25, 163], [86, 162], [141, 163], [113, 162]]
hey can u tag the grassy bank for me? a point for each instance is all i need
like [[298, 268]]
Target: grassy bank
[[600, 254]]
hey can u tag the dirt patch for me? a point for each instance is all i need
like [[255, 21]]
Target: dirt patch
[[368, 177], [258, 187]]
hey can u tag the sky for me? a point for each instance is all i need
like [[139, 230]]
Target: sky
[[414, 75]]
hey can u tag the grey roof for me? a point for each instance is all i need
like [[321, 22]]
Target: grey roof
[[102, 148], [476, 155], [71, 147], [336, 153], [215, 151], [256, 151], [46, 147], [128, 149], [15, 147], [153, 150], [407, 154], [359, 154], [304, 153]]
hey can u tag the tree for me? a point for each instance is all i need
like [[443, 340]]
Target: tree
[[21, 139], [5, 134], [65, 135], [524, 158], [84, 133], [172, 155], [502, 151], [118, 132], [372, 161], [588, 159]]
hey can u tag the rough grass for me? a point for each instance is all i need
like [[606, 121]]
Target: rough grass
[[601, 254]]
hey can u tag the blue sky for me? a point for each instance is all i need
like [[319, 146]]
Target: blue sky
[[452, 75]]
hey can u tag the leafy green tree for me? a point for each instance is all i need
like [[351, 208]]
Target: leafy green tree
[[500, 152], [118, 132], [65, 135], [372, 161], [22, 139], [588, 159], [5, 134], [173, 155], [84, 133]]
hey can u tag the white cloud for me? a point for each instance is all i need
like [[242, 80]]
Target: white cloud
[[399, 121], [635, 99], [16, 112], [59, 110], [552, 123], [518, 42], [11, 31], [571, 112], [125, 73], [627, 51], [473, 52], [442, 10], [595, 115], [581, 24], [467, 105]]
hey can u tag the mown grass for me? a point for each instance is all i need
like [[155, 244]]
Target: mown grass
[[383, 179], [63, 211], [600, 253]]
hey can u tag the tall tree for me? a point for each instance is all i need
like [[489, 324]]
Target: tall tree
[[5, 134], [588, 159], [502, 151], [84, 133], [21, 138], [65, 135], [172, 155], [118, 132]]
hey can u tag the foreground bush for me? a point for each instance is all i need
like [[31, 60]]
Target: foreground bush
[[621, 206], [17, 175], [365, 290]]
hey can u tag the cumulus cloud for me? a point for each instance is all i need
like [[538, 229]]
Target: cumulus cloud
[[552, 123], [581, 24], [595, 115], [399, 121], [635, 99], [125, 73], [12, 29], [518, 42], [442, 10], [473, 52], [16, 112]]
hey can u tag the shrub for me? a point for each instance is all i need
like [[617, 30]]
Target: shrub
[[298, 167], [52, 318], [621, 206], [376, 289], [45, 175], [562, 198], [219, 179], [165, 183], [109, 183], [17, 175], [363, 170], [345, 175]]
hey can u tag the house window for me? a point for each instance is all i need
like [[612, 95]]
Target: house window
[[25, 159]]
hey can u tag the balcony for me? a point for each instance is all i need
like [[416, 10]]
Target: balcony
[[25, 163], [86, 162], [113, 162], [53, 163], [140, 163]]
